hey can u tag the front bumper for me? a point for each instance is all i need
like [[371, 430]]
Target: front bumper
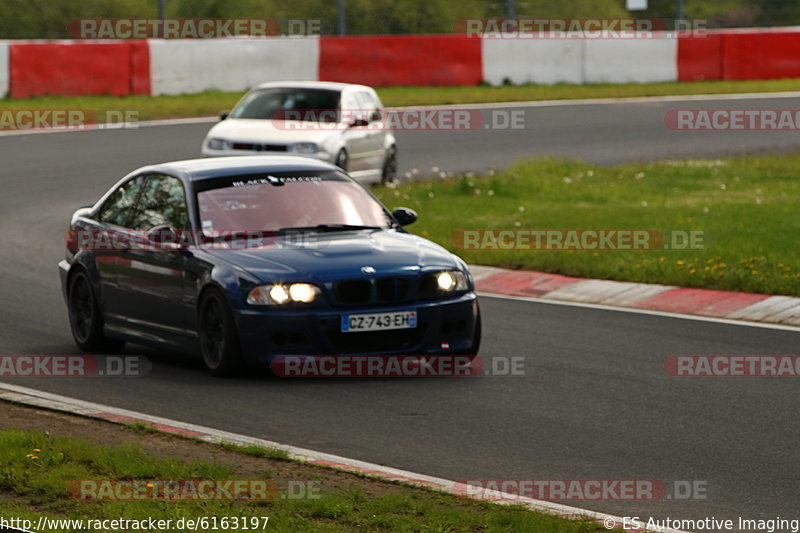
[[443, 326]]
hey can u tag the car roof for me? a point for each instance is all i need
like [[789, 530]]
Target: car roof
[[217, 167], [331, 85]]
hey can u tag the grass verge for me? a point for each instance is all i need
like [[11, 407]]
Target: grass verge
[[407, 96], [210, 103], [745, 207], [38, 468]]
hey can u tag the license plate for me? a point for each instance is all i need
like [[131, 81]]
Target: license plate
[[379, 321]]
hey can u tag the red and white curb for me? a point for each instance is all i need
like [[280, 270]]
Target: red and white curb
[[64, 404], [736, 306]]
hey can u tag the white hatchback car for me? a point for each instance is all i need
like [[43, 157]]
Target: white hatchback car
[[339, 123]]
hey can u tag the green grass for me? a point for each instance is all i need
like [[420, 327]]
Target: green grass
[[746, 207], [250, 449], [407, 96], [38, 468], [148, 107], [257, 451], [212, 102], [141, 428]]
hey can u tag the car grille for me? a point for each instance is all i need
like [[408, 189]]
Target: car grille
[[378, 291], [257, 147], [376, 342]]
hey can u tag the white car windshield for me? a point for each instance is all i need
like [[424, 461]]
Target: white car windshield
[[320, 105]]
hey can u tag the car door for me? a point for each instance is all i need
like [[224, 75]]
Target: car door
[[109, 236], [151, 276], [355, 136], [375, 132]]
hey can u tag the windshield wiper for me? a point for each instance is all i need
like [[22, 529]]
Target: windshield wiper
[[328, 227]]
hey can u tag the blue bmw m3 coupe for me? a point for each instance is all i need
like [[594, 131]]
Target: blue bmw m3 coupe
[[242, 259]]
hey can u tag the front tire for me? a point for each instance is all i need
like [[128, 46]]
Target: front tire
[[219, 340], [85, 319], [342, 160], [389, 172]]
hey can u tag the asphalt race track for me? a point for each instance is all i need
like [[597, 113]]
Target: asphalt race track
[[595, 402]]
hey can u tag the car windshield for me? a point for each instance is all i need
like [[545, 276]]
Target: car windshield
[[284, 201], [317, 105]]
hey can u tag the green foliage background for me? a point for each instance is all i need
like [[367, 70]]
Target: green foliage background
[[47, 19]]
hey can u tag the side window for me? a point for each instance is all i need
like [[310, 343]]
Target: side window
[[118, 208], [349, 107], [365, 102], [369, 106], [162, 203], [350, 102], [376, 100]]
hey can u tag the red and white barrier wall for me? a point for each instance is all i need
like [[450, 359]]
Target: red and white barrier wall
[[74, 68], [771, 53], [3, 69], [157, 66], [389, 60], [196, 65], [579, 61]]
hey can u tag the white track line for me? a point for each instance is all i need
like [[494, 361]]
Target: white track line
[[127, 126], [56, 402], [621, 100], [664, 314]]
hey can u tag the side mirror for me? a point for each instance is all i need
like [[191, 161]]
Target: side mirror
[[84, 211], [404, 216], [223, 115]]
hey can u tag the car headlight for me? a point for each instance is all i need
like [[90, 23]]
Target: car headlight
[[451, 281], [218, 144], [443, 283], [279, 294], [304, 148]]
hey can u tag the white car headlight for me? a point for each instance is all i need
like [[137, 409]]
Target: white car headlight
[[279, 294], [451, 281], [446, 281], [302, 292], [218, 144], [304, 148]]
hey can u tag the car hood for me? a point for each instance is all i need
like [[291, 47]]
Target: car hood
[[323, 257], [265, 130]]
